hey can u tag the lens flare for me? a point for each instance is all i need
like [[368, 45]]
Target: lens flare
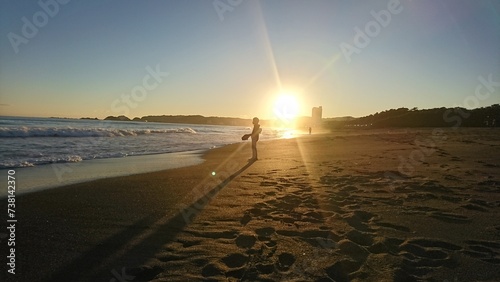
[[286, 107]]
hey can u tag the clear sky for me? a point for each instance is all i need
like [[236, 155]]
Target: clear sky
[[232, 57]]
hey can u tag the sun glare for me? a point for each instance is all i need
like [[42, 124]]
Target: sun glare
[[286, 107]]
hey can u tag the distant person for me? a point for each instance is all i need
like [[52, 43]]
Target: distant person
[[310, 130], [255, 137]]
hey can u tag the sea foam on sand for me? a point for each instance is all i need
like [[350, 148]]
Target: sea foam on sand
[[42, 177]]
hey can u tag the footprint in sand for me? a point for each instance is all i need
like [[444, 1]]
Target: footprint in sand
[[487, 251], [418, 196], [343, 269], [423, 256], [265, 233], [358, 220], [235, 260], [488, 186], [386, 245], [432, 243], [432, 187], [451, 199], [144, 273], [353, 250], [393, 226], [214, 234], [268, 183], [265, 267], [259, 259], [452, 177], [474, 207], [324, 239], [211, 270], [450, 217], [340, 270], [361, 238], [246, 218], [285, 261], [422, 252], [245, 241]]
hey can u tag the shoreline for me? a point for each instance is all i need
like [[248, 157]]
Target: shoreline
[[50, 176], [55, 175]]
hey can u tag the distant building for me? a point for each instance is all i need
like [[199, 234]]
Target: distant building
[[317, 115]]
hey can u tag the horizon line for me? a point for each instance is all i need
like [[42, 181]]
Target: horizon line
[[186, 115]]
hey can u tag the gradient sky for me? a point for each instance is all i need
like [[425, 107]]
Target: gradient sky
[[90, 53]]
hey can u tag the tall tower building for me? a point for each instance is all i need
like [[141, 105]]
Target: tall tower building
[[317, 115]]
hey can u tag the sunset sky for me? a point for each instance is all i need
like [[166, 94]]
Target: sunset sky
[[233, 58]]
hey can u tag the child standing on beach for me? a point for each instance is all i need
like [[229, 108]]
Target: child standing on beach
[[255, 137]]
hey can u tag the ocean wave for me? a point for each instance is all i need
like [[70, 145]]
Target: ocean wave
[[15, 164], [67, 158], [40, 161], [24, 131]]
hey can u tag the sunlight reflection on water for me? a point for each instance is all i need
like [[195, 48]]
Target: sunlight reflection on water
[[289, 133]]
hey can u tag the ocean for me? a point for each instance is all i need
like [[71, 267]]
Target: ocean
[[43, 150]]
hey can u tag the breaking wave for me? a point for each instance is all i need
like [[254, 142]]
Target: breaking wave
[[84, 132]]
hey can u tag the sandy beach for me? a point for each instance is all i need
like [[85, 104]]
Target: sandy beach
[[359, 205]]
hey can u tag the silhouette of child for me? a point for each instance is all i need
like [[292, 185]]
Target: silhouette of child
[[255, 137]]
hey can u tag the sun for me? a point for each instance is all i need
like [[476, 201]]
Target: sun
[[286, 107]]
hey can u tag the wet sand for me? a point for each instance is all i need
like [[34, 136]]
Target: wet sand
[[372, 205]]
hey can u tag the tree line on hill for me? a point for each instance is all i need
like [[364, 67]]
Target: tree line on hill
[[436, 117], [401, 117]]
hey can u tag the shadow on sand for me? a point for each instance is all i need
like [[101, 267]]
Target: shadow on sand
[[101, 262]]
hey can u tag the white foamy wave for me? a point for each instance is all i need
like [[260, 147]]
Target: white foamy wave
[[40, 161], [14, 164], [84, 132]]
